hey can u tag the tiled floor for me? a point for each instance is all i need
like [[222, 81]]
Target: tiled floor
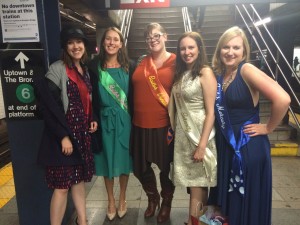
[[286, 200], [136, 201]]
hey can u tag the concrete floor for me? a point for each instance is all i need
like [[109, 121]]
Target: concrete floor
[[286, 200]]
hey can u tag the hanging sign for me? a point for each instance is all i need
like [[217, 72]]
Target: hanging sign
[[19, 21], [134, 4]]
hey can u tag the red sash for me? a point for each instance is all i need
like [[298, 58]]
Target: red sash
[[83, 90]]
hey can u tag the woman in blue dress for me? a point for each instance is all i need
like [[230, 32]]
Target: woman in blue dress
[[110, 81], [244, 190]]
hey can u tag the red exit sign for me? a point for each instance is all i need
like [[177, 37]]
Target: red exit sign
[[134, 4]]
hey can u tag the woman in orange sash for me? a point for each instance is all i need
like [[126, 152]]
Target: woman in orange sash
[[152, 82]]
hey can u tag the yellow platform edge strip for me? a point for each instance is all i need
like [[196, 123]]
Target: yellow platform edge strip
[[7, 188], [284, 151]]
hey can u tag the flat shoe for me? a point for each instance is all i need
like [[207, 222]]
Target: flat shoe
[[122, 210]]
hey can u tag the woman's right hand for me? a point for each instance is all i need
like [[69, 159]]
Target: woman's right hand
[[66, 145], [199, 154]]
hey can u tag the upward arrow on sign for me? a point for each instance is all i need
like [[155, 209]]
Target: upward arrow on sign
[[21, 57]]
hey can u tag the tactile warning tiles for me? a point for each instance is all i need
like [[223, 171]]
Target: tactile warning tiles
[[7, 186]]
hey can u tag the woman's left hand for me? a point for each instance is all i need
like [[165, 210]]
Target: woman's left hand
[[93, 127], [255, 129]]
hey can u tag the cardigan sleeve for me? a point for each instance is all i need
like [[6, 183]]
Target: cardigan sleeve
[[51, 107]]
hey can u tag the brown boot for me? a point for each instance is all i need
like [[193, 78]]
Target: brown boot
[[148, 181], [153, 202], [164, 212], [167, 194]]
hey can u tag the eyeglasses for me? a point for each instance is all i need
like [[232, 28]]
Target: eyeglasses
[[155, 37]]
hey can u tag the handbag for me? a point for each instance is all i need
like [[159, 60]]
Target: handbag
[[209, 215]]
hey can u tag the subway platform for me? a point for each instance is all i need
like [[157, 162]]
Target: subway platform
[[286, 200]]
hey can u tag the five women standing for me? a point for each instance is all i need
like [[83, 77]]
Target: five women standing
[[244, 163]]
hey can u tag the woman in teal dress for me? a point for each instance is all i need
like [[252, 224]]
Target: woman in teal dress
[[110, 80]]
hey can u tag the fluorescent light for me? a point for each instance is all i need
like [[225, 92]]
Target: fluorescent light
[[263, 21]]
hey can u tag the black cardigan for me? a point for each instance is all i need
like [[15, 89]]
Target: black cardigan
[[56, 127]]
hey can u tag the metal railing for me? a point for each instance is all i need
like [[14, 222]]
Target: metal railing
[[186, 19], [278, 51], [126, 21]]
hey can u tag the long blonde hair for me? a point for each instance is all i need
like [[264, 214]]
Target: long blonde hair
[[230, 33]]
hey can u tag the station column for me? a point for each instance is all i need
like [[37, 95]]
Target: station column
[[29, 42]]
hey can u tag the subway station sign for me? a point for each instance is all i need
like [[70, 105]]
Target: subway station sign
[[18, 67], [19, 21]]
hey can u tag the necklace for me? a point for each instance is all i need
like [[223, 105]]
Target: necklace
[[226, 84]]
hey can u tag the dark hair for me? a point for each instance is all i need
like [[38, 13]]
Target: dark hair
[[66, 58], [122, 54], [200, 62], [65, 35]]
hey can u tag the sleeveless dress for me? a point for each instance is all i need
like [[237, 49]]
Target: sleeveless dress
[[186, 172], [114, 159], [255, 206]]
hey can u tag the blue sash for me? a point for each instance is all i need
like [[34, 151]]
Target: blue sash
[[237, 181]]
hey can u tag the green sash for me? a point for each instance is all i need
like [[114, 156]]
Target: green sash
[[112, 87]]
